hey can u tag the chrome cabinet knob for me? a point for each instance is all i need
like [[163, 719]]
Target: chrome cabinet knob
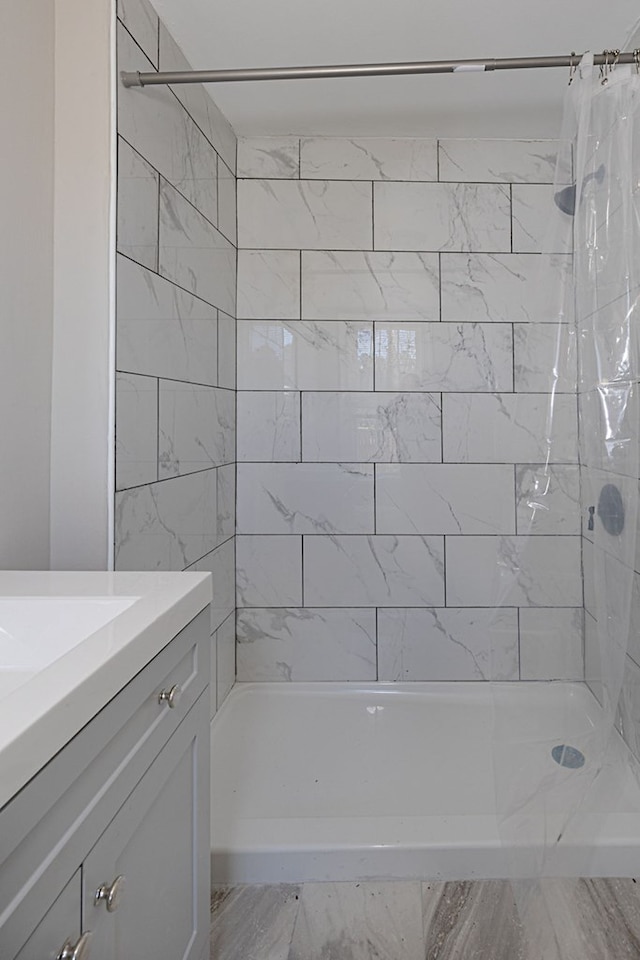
[[110, 893], [171, 696], [76, 951]]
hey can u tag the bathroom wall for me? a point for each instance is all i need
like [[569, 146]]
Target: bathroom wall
[[392, 402], [175, 337]]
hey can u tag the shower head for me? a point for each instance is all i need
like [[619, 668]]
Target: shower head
[[565, 199]]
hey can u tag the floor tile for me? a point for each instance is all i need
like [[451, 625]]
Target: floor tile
[[253, 922]]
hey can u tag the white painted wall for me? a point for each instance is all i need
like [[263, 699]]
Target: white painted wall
[[26, 202], [83, 295]]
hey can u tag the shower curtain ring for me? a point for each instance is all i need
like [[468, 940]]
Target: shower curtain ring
[[574, 66], [636, 59]]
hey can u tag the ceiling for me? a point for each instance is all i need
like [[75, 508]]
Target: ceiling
[[258, 33]]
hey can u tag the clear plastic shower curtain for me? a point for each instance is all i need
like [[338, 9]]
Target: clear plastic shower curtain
[[551, 813]]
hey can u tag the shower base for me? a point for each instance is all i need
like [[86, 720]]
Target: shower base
[[333, 781]]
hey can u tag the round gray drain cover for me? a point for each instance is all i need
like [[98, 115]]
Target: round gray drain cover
[[568, 756]]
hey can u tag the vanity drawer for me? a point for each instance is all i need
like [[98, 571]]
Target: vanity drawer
[[50, 825]]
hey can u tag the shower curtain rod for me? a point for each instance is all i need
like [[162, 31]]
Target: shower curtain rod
[[137, 79]]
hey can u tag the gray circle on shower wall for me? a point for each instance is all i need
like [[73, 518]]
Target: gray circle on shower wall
[[611, 509]]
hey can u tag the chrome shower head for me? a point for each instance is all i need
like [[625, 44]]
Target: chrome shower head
[[565, 199]]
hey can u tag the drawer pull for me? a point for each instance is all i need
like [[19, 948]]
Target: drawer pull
[[76, 951], [111, 894], [171, 696]]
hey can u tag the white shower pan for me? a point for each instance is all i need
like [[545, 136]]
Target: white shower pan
[[346, 781]]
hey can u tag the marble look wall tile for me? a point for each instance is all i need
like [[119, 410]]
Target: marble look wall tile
[[376, 571], [593, 672], [304, 214], [544, 357], [533, 214], [371, 427], [226, 351], [226, 657], [305, 644], [443, 356], [136, 430], [442, 216], [628, 719], [444, 498], [162, 330], [160, 129], [548, 499], [514, 571], [444, 644], [273, 909], [508, 428], [302, 355], [359, 921], [269, 158], [368, 159], [499, 287], [226, 512], [227, 215], [193, 253], [551, 644], [498, 161], [269, 285], [141, 21], [197, 428], [269, 571], [369, 286], [137, 207], [198, 102], [221, 564], [268, 426], [167, 525], [305, 498]]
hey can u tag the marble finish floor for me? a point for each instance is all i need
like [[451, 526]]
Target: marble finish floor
[[408, 920]]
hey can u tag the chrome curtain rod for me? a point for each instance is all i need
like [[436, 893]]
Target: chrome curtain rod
[[608, 58]]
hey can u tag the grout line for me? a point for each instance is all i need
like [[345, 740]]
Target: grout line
[[444, 571]]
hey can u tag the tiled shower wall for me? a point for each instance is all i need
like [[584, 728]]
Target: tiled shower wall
[[175, 336], [393, 383]]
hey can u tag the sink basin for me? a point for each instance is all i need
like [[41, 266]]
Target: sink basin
[[35, 631]]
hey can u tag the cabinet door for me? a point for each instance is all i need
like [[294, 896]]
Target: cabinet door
[[158, 843], [61, 924]]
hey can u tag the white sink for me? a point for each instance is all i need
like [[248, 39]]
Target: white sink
[[35, 631]]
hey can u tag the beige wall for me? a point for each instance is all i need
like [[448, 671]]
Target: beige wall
[[26, 202]]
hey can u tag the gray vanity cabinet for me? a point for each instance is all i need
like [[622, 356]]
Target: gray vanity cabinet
[[104, 854]]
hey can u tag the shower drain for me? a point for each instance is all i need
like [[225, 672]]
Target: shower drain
[[568, 756]]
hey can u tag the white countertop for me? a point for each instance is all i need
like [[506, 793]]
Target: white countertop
[[44, 708]]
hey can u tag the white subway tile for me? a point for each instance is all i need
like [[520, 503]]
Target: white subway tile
[[268, 426], [302, 355], [498, 161], [369, 158], [305, 644], [500, 287], [269, 285], [534, 221], [369, 286], [548, 499], [197, 428], [442, 216], [513, 571], [226, 650], [307, 214], [167, 525], [162, 330], [371, 427], [141, 21], [545, 357], [137, 207], [220, 563], [226, 508], [435, 644], [269, 571], [305, 498], [508, 428], [136, 430], [226, 351], [443, 356], [273, 158], [444, 498], [551, 644], [193, 253], [227, 213], [374, 571]]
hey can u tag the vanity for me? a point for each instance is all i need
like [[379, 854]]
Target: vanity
[[104, 766]]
